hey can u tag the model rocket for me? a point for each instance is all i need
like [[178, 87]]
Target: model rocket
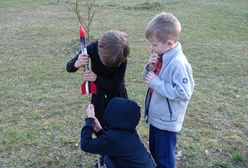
[[88, 87]]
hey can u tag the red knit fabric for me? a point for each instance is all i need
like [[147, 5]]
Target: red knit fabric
[[159, 66]]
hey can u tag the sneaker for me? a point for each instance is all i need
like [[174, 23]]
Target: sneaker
[[96, 166], [102, 165]]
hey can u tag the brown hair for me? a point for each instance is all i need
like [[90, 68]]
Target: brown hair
[[113, 48], [164, 27]]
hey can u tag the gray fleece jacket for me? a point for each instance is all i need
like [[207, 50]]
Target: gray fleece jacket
[[172, 89]]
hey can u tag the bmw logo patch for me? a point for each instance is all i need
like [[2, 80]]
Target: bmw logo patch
[[185, 80]]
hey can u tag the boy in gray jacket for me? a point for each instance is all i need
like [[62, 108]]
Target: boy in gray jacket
[[171, 84]]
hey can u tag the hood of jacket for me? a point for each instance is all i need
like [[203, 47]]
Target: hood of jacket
[[122, 114]]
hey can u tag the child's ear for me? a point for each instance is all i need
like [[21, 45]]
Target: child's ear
[[170, 43]]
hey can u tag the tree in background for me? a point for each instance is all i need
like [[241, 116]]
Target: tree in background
[[86, 21]]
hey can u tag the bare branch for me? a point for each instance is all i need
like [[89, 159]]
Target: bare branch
[[90, 15]]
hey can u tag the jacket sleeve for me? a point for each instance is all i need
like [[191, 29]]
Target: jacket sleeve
[[90, 49], [146, 71], [113, 84], [92, 145], [182, 85], [70, 64]]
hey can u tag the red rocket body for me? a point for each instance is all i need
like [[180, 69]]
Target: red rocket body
[[88, 87]]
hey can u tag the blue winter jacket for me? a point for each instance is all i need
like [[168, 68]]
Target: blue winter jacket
[[120, 144]]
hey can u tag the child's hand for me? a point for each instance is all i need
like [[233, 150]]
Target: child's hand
[[90, 111], [97, 126], [89, 76], [153, 61], [150, 76], [83, 59]]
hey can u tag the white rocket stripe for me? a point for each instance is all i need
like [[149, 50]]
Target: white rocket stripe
[[87, 88]]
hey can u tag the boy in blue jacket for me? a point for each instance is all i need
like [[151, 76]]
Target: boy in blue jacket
[[120, 143], [171, 84]]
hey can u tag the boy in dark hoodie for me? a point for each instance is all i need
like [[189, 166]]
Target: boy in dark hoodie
[[120, 144]]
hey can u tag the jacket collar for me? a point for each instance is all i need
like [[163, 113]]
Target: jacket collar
[[167, 56]]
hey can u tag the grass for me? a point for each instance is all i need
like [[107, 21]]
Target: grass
[[41, 108]]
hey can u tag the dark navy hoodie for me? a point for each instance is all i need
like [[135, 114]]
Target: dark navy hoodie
[[120, 144]]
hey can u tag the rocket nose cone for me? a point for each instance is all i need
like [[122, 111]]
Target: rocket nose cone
[[82, 31]]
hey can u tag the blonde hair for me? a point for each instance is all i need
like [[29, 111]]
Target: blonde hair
[[113, 48], [164, 27]]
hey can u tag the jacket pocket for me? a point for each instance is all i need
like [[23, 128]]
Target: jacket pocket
[[171, 115]]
